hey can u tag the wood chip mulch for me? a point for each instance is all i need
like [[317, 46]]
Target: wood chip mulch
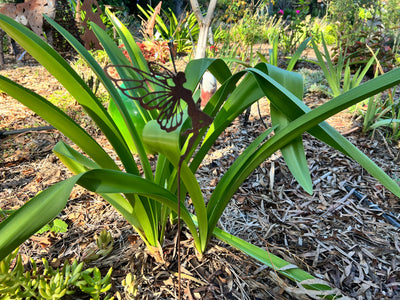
[[331, 234]]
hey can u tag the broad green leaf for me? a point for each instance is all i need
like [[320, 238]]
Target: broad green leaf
[[133, 49], [33, 215], [309, 120], [109, 181], [168, 144], [293, 153], [323, 131], [195, 69], [239, 99], [59, 120], [63, 72], [326, 133], [276, 263], [41, 209], [75, 161], [117, 57], [131, 137], [219, 198], [135, 116]]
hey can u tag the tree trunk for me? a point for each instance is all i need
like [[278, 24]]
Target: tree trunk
[[202, 41], [204, 24]]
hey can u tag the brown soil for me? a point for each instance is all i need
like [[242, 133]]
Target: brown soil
[[330, 234]]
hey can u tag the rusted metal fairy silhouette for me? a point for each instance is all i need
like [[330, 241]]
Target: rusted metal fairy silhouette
[[168, 102]]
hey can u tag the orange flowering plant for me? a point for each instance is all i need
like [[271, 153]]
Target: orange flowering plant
[[157, 51]]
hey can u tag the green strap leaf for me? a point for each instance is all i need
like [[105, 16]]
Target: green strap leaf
[[129, 42], [42, 208], [59, 120], [117, 57], [195, 69], [64, 73], [168, 145], [33, 215], [293, 153], [220, 197], [126, 157]]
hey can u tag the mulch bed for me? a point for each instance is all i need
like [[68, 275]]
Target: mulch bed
[[330, 234]]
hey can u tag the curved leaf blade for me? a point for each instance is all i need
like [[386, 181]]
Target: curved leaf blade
[[63, 72], [293, 153], [33, 215], [168, 145], [59, 120]]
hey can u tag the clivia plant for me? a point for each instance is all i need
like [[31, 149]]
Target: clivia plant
[[147, 198]]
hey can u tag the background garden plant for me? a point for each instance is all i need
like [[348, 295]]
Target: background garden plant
[[338, 74], [99, 173], [183, 30], [50, 283], [376, 111], [381, 110]]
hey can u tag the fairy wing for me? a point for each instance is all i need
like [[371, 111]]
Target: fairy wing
[[147, 88], [160, 71], [153, 91]]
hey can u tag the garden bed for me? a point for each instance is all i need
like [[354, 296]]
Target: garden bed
[[329, 234]]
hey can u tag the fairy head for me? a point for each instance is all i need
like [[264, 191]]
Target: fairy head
[[180, 78]]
